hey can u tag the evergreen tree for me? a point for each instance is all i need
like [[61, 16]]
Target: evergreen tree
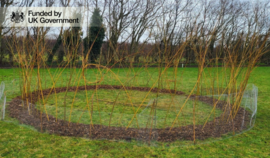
[[73, 40], [95, 36], [72, 37]]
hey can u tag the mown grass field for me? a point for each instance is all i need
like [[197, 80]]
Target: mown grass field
[[23, 141]]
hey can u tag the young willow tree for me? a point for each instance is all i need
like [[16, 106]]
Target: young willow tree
[[94, 39]]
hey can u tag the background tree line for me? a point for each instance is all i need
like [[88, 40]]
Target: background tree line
[[123, 31]]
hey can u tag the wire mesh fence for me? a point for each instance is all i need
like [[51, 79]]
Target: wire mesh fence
[[171, 119], [2, 101]]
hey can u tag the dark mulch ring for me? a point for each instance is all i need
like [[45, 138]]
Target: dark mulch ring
[[40, 121]]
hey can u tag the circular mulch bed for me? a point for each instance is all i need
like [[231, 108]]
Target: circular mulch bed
[[40, 121]]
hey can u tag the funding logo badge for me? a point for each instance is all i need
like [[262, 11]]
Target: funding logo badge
[[17, 17]]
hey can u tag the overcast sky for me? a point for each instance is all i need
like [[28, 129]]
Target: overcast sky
[[55, 31]]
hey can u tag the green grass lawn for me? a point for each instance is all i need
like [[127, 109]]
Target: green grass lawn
[[23, 141], [119, 107]]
